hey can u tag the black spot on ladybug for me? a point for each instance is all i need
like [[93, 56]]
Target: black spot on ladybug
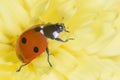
[[24, 40], [37, 29], [35, 49], [20, 57]]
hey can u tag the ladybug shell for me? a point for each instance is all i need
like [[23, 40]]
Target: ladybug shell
[[30, 45]]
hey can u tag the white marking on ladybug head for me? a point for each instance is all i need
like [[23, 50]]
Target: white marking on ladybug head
[[55, 34], [41, 31], [41, 26]]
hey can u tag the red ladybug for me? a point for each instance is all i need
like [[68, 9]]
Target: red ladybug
[[33, 42]]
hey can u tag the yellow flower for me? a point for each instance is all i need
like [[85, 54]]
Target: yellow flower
[[93, 55]]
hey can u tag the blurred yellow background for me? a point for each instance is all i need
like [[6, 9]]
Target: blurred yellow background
[[93, 55]]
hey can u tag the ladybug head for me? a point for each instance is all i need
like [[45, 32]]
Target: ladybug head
[[51, 30], [60, 27]]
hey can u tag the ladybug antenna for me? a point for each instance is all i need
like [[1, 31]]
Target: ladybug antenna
[[66, 30], [21, 67]]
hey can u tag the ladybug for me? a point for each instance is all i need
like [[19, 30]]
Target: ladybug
[[33, 41]]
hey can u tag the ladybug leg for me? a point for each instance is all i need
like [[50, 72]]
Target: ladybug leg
[[59, 39], [48, 57], [22, 66]]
